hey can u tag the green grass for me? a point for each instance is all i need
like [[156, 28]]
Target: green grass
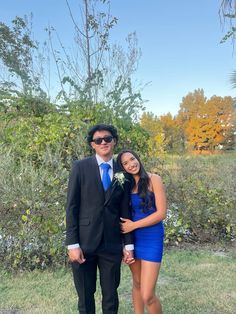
[[191, 281]]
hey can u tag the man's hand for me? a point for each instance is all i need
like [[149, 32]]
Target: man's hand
[[128, 256], [76, 255]]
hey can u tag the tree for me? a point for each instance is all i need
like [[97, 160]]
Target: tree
[[16, 55], [97, 71], [20, 83], [91, 38], [152, 125], [221, 117], [228, 11], [173, 134], [207, 124]]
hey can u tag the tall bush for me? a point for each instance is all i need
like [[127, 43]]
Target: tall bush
[[32, 214]]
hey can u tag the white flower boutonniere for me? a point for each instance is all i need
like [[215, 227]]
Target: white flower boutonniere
[[120, 178]]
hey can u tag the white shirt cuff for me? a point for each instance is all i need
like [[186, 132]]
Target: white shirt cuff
[[73, 246], [129, 247]]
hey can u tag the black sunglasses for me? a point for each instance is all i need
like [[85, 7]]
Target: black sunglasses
[[99, 140]]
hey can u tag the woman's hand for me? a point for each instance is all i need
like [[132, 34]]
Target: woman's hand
[[128, 256], [126, 225]]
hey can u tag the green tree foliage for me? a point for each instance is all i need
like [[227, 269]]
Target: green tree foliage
[[153, 127], [20, 85], [17, 106], [64, 129], [30, 136], [16, 55]]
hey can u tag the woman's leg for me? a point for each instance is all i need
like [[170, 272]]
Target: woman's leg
[[149, 276], [136, 292]]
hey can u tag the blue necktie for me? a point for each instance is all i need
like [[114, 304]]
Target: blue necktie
[[106, 180]]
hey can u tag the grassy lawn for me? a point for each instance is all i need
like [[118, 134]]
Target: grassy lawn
[[192, 281]]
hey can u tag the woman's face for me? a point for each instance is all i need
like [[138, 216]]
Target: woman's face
[[130, 163]]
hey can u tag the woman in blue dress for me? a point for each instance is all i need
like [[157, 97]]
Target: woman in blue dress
[[148, 203]]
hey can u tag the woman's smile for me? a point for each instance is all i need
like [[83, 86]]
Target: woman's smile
[[130, 163]]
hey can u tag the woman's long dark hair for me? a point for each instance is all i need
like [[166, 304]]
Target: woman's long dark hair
[[144, 181]]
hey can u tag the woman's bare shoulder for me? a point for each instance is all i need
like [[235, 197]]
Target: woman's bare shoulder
[[155, 180]]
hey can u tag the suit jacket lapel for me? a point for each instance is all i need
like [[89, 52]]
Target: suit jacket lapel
[[97, 176], [108, 193]]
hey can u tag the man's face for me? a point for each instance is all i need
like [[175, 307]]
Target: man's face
[[103, 144]]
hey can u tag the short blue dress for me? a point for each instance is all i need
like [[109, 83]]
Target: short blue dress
[[148, 241]]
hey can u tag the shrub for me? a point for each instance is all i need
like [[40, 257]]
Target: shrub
[[32, 221], [202, 199], [200, 191]]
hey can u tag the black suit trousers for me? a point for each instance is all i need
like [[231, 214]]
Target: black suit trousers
[[85, 276]]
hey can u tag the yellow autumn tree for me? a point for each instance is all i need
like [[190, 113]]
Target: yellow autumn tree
[[207, 124], [220, 113], [173, 134]]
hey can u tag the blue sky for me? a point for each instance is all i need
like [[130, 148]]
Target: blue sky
[[179, 40]]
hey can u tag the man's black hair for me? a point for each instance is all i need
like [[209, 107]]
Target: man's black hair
[[102, 127]]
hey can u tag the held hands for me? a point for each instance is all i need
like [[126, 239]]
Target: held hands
[[76, 255], [126, 225], [128, 257]]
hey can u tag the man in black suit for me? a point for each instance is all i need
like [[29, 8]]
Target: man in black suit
[[98, 195]]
